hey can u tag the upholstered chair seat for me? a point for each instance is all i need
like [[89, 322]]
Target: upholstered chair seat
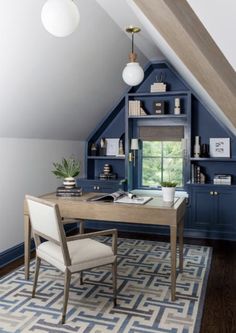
[[84, 254]]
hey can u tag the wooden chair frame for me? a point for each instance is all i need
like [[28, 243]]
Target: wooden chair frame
[[67, 261]]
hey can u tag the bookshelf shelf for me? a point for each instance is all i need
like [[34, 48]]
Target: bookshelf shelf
[[165, 116], [213, 159], [106, 157], [164, 93]]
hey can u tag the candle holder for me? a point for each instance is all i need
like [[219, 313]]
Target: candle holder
[[177, 106]]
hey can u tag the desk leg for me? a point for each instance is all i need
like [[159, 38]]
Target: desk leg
[[173, 243], [181, 244], [81, 227], [27, 235]]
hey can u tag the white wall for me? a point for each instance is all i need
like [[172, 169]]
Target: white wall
[[218, 17], [58, 88], [25, 167]]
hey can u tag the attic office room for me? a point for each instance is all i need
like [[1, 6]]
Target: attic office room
[[67, 92]]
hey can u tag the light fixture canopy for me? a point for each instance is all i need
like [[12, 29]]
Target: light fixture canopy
[[60, 17], [133, 73]]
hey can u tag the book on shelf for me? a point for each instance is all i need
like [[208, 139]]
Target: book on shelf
[[222, 180], [136, 109], [198, 177], [69, 192], [121, 197], [158, 87]]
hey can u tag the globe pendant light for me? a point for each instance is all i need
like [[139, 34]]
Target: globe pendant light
[[60, 17], [133, 73]]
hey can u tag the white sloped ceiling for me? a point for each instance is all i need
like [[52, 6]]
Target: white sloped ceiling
[[58, 88], [62, 88]]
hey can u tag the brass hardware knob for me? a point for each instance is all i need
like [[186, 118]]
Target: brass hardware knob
[[211, 193], [215, 193]]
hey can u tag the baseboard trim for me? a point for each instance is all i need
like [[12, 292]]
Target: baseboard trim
[[14, 253], [17, 251]]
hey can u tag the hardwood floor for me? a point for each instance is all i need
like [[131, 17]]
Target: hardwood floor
[[219, 314]]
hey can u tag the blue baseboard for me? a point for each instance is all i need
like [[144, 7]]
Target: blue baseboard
[[14, 253], [17, 252]]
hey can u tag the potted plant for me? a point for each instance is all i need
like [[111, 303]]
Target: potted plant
[[168, 190], [68, 169]]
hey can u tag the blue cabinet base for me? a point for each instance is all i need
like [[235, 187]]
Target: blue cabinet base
[[159, 230]]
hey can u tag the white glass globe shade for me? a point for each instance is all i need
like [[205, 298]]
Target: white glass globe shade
[[133, 74], [60, 17]]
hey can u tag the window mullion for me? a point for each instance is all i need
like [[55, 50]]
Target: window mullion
[[162, 161]]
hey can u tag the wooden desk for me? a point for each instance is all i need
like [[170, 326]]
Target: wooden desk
[[154, 212]]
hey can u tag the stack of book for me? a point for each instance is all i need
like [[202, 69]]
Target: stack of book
[[135, 109], [198, 177], [222, 179], [158, 87], [69, 192]]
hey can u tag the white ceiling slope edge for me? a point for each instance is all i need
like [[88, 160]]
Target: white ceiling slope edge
[[181, 68]]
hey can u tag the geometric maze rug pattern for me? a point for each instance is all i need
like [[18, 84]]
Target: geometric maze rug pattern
[[144, 301]]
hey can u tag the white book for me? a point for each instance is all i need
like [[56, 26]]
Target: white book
[[132, 106]]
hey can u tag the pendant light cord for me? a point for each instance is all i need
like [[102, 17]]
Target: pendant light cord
[[132, 42]]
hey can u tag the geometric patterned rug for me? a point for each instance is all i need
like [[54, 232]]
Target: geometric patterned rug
[[144, 301]]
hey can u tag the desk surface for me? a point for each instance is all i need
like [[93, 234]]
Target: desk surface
[[153, 212]]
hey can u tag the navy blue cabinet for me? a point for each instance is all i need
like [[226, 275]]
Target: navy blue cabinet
[[213, 210], [96, 185]]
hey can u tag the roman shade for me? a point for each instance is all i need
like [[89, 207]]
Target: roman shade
[[161, 133]]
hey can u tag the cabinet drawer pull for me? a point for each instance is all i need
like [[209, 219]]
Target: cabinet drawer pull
[[95, 187], [211, 193], [215, 193]]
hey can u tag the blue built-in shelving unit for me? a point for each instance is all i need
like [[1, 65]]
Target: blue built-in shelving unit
[[211, 208]]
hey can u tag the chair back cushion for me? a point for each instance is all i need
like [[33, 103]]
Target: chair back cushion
[[44, 217]]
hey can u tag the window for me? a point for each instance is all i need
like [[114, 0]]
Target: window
[[162, 155], [162, 161]]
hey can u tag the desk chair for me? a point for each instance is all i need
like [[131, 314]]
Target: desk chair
[[68, 254]]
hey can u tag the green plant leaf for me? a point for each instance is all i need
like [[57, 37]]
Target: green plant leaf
[[67, 168]]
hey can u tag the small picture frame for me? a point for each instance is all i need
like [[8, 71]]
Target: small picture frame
[[112, 147], [158, 107], [219, 147]]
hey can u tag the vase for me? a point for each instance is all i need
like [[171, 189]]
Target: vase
[[168, 193], [69, 182], [197, 149]]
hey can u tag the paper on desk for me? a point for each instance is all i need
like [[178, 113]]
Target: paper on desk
[[136, 201]]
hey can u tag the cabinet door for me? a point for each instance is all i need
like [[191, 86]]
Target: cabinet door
[[89, 185], [203, 212], [226, 210]]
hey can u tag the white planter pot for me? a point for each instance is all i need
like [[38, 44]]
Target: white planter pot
[[69, 182], [168, 193]]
